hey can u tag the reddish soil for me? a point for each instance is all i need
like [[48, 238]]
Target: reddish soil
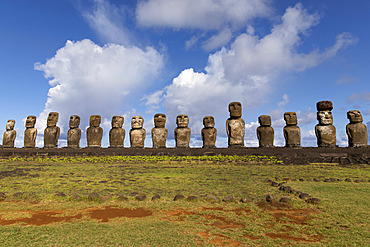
[[289, 237], [41, 218], [111, 212], [216, 239]]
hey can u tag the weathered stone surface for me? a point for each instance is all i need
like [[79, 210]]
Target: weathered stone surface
[[192, 198], [30, 133], [117, 133], [94, 133], [356, 130], [137, 132], [182, 132], [269, 198], [52, 131], [314, 200], [209, 132], [265, 133], [156, 197], [179, 197], [212, 198], [325, 130], [304, 195], [292, 132], [9, 134], [235, 125], [285, 200], [94, 196], [228, 199], [74, 132], [140, 197], [159, 132]]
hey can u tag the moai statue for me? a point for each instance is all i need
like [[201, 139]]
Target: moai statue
[[209, 132], [74, 132], [356, 130], [137, 132], [9, 134], [117, 133], [292, 132], [94, 133], [235, 125], [325, 130], [182, 132], [265, 133], [52, 131], [159, 132], [30, 132]]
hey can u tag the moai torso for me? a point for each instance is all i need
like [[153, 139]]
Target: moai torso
[[9, 135], [182, 132], [325, 130], [52, 132], [30, 133], [356, 130], [292, 132], [235, 125], [265, 132], [117, 134], [137, 133], [159, 132], [74, 133], [209, 132], [94, 133]]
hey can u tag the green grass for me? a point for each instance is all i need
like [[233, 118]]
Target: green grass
[[31, 186]]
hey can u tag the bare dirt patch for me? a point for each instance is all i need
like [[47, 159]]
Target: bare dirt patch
[[110, 212]]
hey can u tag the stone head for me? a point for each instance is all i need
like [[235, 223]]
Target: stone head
[[95, 120], [52, 119], [235, 109], [354, 116], [325, 117], [10, 124], [182, 121], [74, 121], [290, 118], [159, 120], [324, 105], [117, 121], [137, 122], [30, 121], [209, 122], [264, 120]]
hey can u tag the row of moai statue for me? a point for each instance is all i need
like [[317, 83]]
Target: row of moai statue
[[235, 127]]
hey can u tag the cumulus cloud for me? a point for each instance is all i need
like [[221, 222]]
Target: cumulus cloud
[[220, 39], [247, 71], [87, 79], [359, 97], [345, 79]]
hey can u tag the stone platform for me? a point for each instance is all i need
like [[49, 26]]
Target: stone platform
[[297, 156]]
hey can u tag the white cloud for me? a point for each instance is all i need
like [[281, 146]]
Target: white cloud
[[247, 71], [220, 39], [345, 79], [359, 96], [88, 79]]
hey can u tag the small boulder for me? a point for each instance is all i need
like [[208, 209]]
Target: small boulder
[[212, 198], [156, 197], [326, 180], [140, 197], [228, 199], [348, 180], [316, 180], [76, 197], [285, 200], [122, 198], [301, 179], [192, 198], [61, 194], [275, 184], [314, 200], [269, 198], [244, 200], [94, 196], [304, 195], [179, 197]]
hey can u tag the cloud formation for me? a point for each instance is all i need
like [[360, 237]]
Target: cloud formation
[[87, 79]]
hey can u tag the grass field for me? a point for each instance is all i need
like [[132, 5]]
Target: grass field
[[92, 202]]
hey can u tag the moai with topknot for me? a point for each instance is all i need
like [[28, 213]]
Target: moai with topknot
[[235, 125], [30, 133], [117, 133], [292, 132], [159, 132], [265, 133], [182, 132], [94, 133], [52, 131], [209, 132], [137, 132], [356, 130], [9, 134], [74, 132], [325, 130]]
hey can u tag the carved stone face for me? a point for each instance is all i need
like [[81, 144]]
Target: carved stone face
[[10, 125], [325, 117], [264, 120], [159, 120], [137, 122], [52, 119], [95, 120], [182, 121], [235, 109], [30, 121], [117, 121], [354, 116], [290, 118], [209, 122], [74, 121]]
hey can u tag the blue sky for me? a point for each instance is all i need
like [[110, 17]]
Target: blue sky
[[192, 57]]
